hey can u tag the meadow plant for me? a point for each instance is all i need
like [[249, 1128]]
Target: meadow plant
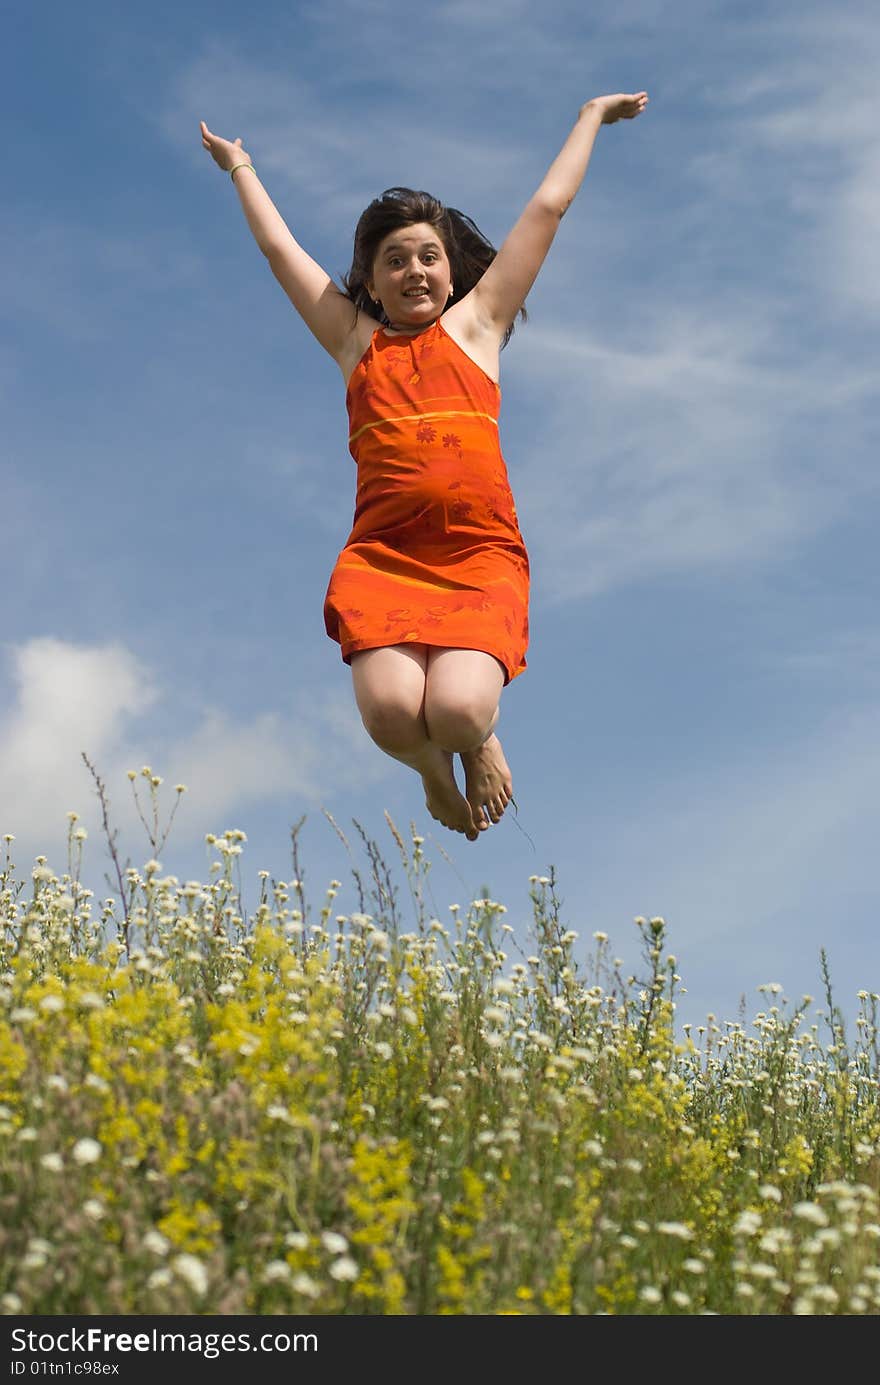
[[385, 1112]]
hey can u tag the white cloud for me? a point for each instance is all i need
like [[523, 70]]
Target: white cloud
[[71, 699], [227, 767]]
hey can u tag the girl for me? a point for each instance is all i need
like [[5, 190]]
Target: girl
[[429, 597]]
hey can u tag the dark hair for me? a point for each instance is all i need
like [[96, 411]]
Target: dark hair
[[470, 253]]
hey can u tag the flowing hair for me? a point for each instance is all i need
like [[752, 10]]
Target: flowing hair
[[469, 252]]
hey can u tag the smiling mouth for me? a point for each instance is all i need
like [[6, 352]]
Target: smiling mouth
[[415, 293]]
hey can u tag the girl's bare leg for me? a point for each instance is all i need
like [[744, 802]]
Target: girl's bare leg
[[389, 686], [462, 692]]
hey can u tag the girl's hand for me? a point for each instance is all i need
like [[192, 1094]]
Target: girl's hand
[[224, 153], [619, 107]]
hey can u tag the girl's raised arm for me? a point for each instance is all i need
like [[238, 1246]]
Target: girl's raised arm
[[501, 292], [326, 311]]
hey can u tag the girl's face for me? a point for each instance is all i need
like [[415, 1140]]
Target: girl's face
[[411, 276]]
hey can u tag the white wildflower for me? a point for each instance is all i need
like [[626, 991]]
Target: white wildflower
[[747, 1223], [675, 1228], [156, 1243], [495, 1014], [304, 1284], [344, 1269], [811, 1212], [769, 1192], [191, 1269], [332, 1241], [86, 1151]]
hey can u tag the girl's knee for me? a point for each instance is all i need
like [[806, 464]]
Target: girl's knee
[[459, 724], [393, 724]]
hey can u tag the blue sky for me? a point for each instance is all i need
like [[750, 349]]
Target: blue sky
[[689, 420]]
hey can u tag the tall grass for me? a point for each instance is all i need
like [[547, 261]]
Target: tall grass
[[299, 1111]]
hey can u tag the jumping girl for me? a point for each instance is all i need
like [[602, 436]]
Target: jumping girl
[[429, 597]]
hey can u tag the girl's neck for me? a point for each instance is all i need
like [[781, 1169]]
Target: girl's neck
[[409, 332]]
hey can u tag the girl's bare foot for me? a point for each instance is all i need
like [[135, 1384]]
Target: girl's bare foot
[[488, 783], [444, 800]]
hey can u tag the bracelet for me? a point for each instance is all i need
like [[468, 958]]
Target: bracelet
[[237, 167]]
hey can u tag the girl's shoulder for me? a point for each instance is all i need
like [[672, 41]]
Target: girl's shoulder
[[356, 344], [483, 346]]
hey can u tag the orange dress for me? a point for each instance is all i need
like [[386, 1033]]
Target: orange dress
[[435, 555]]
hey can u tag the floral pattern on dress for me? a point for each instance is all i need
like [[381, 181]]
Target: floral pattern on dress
[[453, 441]]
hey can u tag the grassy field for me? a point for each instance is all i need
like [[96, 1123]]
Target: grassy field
[[301, 1112]]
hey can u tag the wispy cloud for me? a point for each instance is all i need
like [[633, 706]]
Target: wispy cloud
[[334, 156], [807, 110], [71, 278], [691, 450]]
